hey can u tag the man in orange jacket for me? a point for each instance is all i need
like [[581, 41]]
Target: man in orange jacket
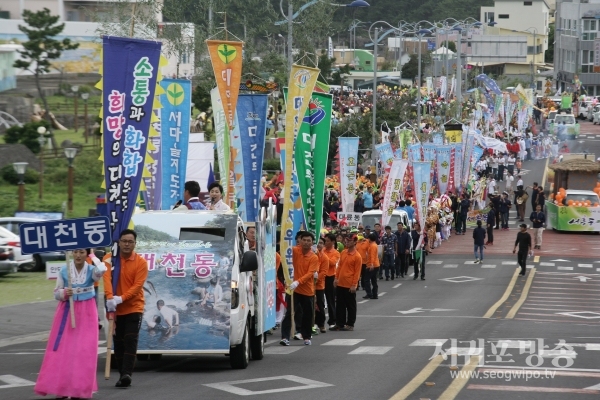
[[346, 280], [128, 303], [306, 267], [334, 256], [320, 288]]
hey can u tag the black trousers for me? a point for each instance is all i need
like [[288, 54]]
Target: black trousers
[[305, 305], [490, 233], [320, 309], [402, 262], [346, 307], [497, 219], [330, 297], [419, 263], [126, 341], [522, 259], [370, 283], [363, 277]]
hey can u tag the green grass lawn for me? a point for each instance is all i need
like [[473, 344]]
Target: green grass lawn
[[25, 287]]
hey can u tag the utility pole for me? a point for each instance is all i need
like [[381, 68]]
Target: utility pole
[[290, 35], [374, 134], [459, 74]]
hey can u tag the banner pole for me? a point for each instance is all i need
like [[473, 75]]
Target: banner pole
[[70, 284]]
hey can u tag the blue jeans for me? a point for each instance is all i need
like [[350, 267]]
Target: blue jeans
[[388, 264], [480, 248], [504, 216]]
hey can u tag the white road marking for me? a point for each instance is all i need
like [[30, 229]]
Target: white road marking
[[565, 268], [434, 262], [509, 263], [585, 265], [343, 342], [14, 381], [592, 346], [231, 388], [396, 286], [382, 294], [471, 262], [488, 266], [514, 344], [281, 350], [428, 342], [560, 260], [465, 351], [461, 279], [376, 350], [547, 264], [580, 314], [451, 266], [363, 301]]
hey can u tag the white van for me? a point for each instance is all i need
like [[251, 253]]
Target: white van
[[374, 217], [206, 292]]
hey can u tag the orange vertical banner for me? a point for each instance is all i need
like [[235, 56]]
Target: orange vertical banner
[[226, 58]]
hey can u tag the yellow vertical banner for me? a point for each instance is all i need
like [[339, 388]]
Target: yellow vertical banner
[[226, 58], [300, 87]]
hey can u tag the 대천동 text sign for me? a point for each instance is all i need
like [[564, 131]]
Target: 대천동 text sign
[[64, 235]]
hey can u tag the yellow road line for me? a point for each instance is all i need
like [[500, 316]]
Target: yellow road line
[[419, 379], [543, 183], [504, 297], [524, 294], [461, 379], [536, 259]]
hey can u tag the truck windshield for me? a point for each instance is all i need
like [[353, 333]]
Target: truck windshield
[[205, 234], [592, 198], [371, 220], [566, 119]]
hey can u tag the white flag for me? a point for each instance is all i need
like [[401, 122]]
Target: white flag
[[392, 189], [330, 48]]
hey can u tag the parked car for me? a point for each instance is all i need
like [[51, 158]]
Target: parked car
[[7, 238], [7, 260], [550, 119], [37, 262], [596, 115]]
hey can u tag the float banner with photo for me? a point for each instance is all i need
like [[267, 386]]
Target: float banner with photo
[[477, 215], [226, 58], [414, 152], [453, 133], [302, 80], [130, 71], [222, 140], [570, 218], [311, 154], [422, 179], [392, 189], [189, 280], [348, 151], [268, 284], [252, 126], [443, 167], [175, 136]]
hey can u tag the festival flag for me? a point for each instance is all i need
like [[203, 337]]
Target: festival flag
[[130, 71], [392, 189], [422, 179], [154, 181], [175, 136], [443, 167], [437, 138], [458, 162], [222, 140], [252, 122], [311, 154], [226, 58], [330, 48], [301, 83], [348, 148], [386, 154], [211, 175], [236, 167], [414, 152], [467, 154]]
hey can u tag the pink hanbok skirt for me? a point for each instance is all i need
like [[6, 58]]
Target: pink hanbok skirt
[[69, 366]]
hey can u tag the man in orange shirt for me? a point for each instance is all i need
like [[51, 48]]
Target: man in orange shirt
[[128, 303], [334, 256], [323, 269], [362, 246], [369, 275], [306, 267], [346, 279]]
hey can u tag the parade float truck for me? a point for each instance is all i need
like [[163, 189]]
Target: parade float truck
[[573, 206], [206, 292]]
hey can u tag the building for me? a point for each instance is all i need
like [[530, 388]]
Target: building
[[577, 46], [8, 80], [361, 64]]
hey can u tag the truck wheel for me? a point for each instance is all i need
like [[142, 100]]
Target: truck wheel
[[239, 356], [257, 346], [143, 357]]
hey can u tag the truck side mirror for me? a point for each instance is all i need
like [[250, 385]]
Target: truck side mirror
[[249, 262]]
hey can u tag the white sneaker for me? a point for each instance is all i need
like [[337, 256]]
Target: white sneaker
[[298, 336], [307, 342], [476, 260]]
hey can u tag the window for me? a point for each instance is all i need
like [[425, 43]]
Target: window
[[488, 17], [589, 29], [503, 16], [72, 15], [587, 61], [528, 3]]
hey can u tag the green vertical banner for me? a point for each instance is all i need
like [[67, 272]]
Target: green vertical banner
[[222, 140], [312, 150]]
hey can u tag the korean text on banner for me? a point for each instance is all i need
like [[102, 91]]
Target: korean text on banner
[[414, 152], [386, 154], [154, 181], [221, 139], [348, 148], [392, 189], [443, 167], [130, 70], [300, 87], [458, 160], [454, 136], [422, 177], [226, 58], [312, 148], [175, 136], [467, 154], [252, 118]]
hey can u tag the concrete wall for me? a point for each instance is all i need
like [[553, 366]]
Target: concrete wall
[[7, 72]]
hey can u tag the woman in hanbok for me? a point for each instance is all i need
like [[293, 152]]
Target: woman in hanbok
[[215, 201], [69, 365]]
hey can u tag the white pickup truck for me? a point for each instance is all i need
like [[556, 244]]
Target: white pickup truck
[[206, 292]]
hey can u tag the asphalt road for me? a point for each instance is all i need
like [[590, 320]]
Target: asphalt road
[[532, 337]]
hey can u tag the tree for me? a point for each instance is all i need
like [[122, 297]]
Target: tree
[[26, 134], [337, 76], [452, 46], [549, 54], [410, 70], [41, 47], [325, 65]]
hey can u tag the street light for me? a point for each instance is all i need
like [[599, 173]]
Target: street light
[[420, 34], [459, 29], [75, 89], [533, 85], [85, 97], [20, 168], [42, 141], [289, 18], [70, 153]]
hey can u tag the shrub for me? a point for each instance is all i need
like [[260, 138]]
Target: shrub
[[271, 164], [26, 135], [9, 175]]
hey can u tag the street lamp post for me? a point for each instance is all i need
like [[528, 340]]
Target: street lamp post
[[420, 35], [374, 134], [85, 97], [459, 29], [20, 168], [75, 89], [42, 141], [70, 153]]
